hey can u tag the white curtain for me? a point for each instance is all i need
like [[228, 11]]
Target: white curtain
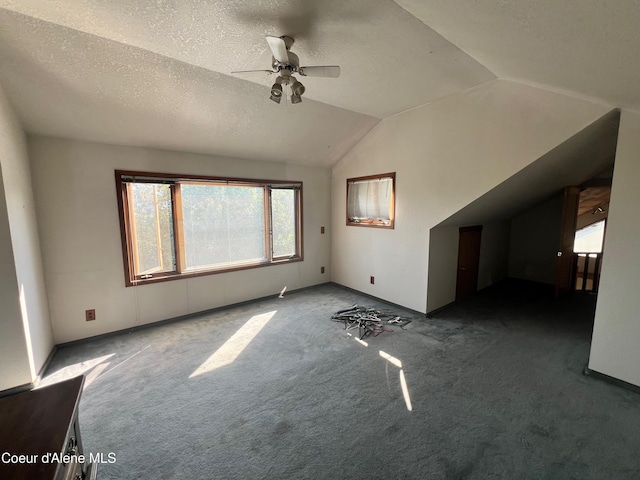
[[370, 199]]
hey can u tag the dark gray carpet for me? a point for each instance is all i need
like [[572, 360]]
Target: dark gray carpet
[[495, 387]]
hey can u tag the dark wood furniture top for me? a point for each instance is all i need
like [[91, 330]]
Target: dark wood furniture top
[[36, 423]]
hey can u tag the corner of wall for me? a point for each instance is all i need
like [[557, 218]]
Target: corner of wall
[[616, 331], [26, 264]]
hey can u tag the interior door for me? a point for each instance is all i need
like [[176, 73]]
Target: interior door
[[468, 261], [564, 265]]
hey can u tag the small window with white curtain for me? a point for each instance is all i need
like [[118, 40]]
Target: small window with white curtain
[[371, 201]]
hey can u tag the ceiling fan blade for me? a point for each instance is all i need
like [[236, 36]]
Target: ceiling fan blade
[[325, 71], [253, 72], [278, 48]]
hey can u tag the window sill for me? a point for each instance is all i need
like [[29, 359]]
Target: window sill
[[201, 272], [371, 224]]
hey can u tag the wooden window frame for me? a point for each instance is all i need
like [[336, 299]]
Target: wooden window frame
[[122, 177], [392, 207]]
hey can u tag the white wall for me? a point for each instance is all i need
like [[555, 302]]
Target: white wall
[[615, 347], [443, 260], [535, 238], [14, 357], [443, 266], [25, 328], [78, 219], [446, 154]]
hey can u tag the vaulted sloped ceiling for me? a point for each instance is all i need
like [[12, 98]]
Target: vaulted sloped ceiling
[[585, 47], [157, 74]]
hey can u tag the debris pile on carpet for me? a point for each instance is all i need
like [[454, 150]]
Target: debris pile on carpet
[[368, 321]]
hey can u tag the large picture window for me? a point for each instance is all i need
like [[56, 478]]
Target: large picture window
[[176, 226], [371, 201]]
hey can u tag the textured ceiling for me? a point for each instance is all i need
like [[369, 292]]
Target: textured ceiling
[[158, 73], [589, 47], [85, 87]]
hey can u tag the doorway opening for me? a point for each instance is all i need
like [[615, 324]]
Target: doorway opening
[[468, 261], [589, 237]]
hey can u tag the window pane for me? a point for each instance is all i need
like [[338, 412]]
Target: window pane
[[152, 228], [589, 239], [357, 200], [223, 224], [370, 199], [283, 219]]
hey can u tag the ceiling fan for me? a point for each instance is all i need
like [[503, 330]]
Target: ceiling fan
[[285, 63]]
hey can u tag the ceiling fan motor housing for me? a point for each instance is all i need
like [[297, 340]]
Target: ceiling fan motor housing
[[292, 65]]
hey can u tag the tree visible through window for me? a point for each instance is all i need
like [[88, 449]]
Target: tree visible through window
[[152, 228], [283, 219], [222, 224], [175, 226]]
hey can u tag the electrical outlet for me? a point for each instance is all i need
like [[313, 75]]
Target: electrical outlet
[[322, 230], [372, 280], [321, 269], [90, 315]]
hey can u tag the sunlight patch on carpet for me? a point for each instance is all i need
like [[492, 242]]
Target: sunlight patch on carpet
[[233, 347], [71, 371], [391, 359], [93, 375], [403, 381], [405, 391], [361, 342]]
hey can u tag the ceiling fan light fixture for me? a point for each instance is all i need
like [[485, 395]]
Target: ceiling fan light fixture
[[276, 89], [275, 99], [297, 88], [295, 99]]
